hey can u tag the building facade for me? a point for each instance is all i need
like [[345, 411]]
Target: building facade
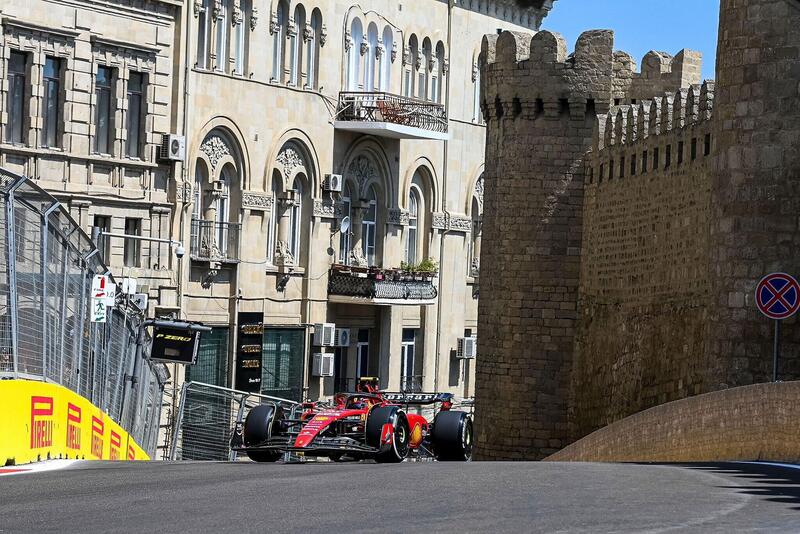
[[87, 93], [285, 99], [652, 204]]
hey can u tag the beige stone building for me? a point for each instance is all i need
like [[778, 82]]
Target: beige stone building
[[86, 94], [317, 147], [285, 99]]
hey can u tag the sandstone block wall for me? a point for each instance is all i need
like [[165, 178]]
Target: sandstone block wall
[[644, 291], [757, 422]]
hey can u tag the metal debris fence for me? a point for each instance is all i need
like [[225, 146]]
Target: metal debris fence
[[207, 417], [46, 272]]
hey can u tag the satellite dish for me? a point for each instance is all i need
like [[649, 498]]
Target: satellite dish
[[345, 224]]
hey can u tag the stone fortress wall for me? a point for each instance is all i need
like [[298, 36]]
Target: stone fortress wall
[[626, 217]]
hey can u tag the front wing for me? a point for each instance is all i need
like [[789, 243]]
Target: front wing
[[320, 446]]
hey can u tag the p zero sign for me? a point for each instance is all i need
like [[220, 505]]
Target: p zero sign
[[778, 296], [175, 345]]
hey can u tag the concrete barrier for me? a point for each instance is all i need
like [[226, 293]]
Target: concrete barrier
[[758, 422], [40, 421]]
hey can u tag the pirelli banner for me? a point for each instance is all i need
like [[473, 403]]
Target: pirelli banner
[[40, 421]]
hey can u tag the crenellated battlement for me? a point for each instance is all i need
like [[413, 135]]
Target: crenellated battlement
[[668, 113], [532, 75]]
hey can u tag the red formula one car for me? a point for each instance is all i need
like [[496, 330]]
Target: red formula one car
[[369, 424]]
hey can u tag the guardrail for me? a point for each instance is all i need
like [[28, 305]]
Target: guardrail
[[214, 241], [46, 273]]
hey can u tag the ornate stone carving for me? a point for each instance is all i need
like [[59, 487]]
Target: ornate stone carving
[[379, 51], [479, 191], [290, 160], [236, 16], [394, 51], [474, 72], [418, 62], [198, 7], [283, 254], [357, 258], [364, 47], [308, 33], [326, 209], [291, 29], [253, 18], [398, 217], [257, 201], [475, 268], [363, 171], [406, 55], [217, 9], [445, 66], [273, 24], [323, 35], [433, 64], [184, 192], [450, 222], [215, 148], [348, 41]]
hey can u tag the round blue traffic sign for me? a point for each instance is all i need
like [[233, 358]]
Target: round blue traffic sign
[[778, 296]]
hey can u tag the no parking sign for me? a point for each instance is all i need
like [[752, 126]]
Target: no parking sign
[[777, 297]]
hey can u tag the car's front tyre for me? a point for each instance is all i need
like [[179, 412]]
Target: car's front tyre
[[258, 428]]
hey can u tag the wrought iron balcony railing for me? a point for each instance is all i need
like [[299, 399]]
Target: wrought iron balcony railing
[[394, 109], [367, 286], [214, 241], [411, 383]]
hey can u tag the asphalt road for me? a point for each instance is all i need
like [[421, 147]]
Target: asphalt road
[[410, 497]]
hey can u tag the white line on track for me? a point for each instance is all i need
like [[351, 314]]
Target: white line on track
[[776, 464], [39, 467]]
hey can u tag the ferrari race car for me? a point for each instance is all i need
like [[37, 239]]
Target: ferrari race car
[[368, 424]]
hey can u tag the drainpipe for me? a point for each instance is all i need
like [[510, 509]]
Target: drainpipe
[[450, 7]]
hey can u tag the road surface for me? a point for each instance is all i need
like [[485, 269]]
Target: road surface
[[410, 497]]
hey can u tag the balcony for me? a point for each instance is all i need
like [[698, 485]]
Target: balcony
[[353, 285], [388, 115], [215, 242]]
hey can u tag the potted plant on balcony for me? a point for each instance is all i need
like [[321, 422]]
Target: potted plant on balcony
[[376, 273], [427, 268]]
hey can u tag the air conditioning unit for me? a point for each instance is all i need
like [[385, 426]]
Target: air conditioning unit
[[218, 186], [324, 334], [342, 337], [467, 348], [323, 364], [332, 183], [140, 301], [173, 148]]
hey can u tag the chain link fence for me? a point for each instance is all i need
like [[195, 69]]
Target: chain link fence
[[207, 416], [46, 273]]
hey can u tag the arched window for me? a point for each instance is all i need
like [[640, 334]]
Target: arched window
[[354, 59], [413, 220], [313, 50], [203, 33], [295, 47], [223, 22], [273, 222], [386, 60], [227, 177], [200, 181], [296, 220], [240, 37], [424, 73], [476, 90], [369, 226], [438, 92], [278, 38], [411, 68], [474, 256], [370, 76], [344, 238]]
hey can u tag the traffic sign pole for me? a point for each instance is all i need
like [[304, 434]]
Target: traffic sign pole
[[776, 350]]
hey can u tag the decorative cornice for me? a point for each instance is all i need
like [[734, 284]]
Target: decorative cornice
[[257, 201], [398, 217], [215, 148], [327, 209], [451, 222]]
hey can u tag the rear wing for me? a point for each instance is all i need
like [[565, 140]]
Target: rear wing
[[417, 399]]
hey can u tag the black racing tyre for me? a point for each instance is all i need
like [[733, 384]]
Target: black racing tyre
[[257, 430], [452, 436], [397, 450]]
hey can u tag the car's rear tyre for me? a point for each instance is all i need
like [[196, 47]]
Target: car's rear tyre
[[397, 450], [258, 428], [452, 436]]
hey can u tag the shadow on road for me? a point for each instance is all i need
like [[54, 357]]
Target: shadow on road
[[772, 483]]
